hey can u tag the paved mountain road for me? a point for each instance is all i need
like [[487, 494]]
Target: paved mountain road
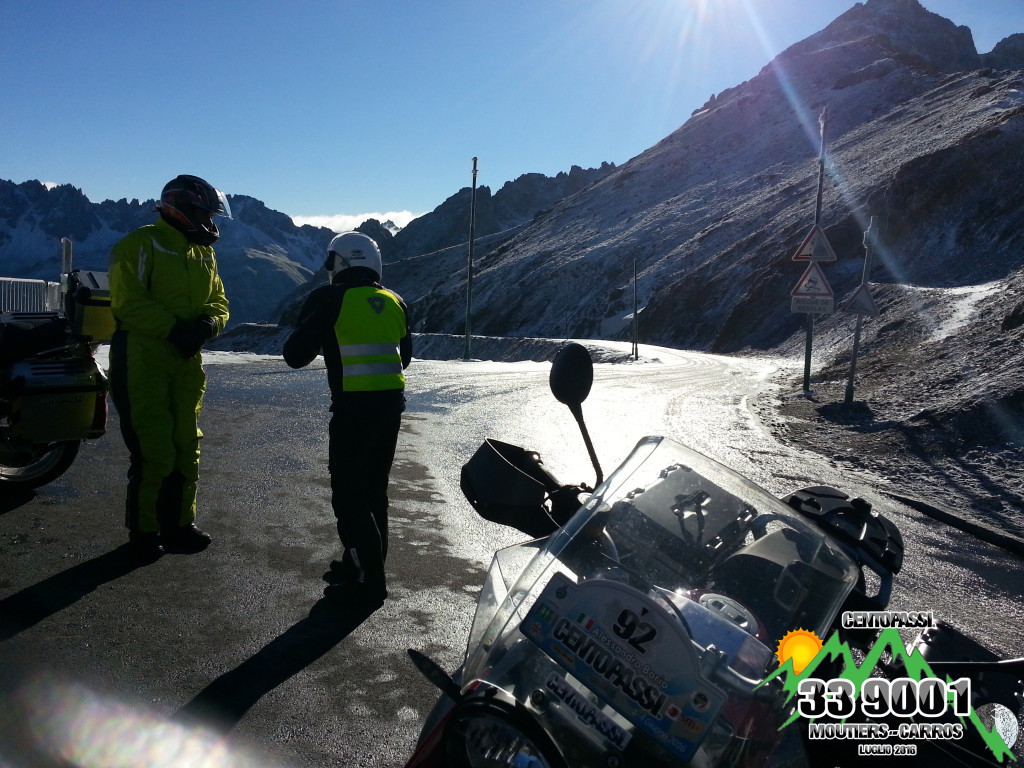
[[229, 657]]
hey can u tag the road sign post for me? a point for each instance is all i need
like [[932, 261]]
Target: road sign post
[[815, 247], [812, 293], [862, 304], [636, 318], [816, 251]]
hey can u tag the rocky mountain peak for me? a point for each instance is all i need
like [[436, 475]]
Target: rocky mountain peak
[[906, 27], [1007, 54], [516, 203]]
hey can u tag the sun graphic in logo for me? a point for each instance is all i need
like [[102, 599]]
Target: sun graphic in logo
[[801, 646]]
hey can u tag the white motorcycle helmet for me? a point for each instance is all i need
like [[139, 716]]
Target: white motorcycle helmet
[[352, 249]]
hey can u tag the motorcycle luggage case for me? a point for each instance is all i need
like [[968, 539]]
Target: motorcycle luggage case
[[26, 334], [88, 305], [52, 400]]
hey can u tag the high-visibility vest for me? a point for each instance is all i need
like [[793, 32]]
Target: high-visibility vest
[[369, 327]]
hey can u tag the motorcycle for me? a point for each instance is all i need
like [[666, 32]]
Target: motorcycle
[[53, 394], [643, 623]]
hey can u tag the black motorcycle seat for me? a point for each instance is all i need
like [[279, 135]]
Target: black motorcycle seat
[[23, 336]]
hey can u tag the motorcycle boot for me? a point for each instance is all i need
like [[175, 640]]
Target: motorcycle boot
[[186, 539], [343, 570], [351, 596], [355, 586], [145, 547]]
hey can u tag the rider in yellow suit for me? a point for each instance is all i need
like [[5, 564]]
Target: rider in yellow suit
[[168, 300]]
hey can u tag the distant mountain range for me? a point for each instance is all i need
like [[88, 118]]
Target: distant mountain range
[[264, 258], [261, 254]]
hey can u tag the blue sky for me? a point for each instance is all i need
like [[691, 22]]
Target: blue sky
[[355, 108]]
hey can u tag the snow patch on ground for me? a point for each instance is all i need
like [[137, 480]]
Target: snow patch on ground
[[954, 307]]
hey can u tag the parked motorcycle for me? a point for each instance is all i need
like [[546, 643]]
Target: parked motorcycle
[[53, 394], [641, 626]]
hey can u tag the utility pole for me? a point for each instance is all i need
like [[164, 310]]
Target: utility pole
[[636, 319], [469, 266], [822, 122], [870, 240]]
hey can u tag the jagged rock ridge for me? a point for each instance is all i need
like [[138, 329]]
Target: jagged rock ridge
[[266, 261]]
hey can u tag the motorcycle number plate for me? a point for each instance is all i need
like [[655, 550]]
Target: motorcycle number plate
[[628, 650]]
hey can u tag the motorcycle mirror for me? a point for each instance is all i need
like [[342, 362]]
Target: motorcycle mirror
[[572, 375]]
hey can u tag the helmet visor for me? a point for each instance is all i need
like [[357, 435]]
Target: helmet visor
[[224, 207]]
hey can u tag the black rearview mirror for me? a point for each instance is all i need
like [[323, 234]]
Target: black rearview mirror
[[572, 374]]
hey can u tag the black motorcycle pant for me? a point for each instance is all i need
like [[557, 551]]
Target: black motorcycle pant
[[363, 438]]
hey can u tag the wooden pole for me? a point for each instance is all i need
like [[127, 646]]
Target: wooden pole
[[469, 267], [822, 121]]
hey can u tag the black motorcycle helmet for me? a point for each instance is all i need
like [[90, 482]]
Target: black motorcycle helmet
[[188, 203]]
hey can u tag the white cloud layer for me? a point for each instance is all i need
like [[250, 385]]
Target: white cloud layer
[[343, 222]]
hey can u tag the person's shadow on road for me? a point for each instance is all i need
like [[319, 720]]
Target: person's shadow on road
[[12, 498], [31, 605], [224, 702]]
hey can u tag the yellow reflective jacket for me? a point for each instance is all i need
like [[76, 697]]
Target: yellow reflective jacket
[[362, 330], [369, 330], [158, 277]]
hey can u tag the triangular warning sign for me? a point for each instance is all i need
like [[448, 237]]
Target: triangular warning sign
[[813, 283], [860, 303], [815, 247]]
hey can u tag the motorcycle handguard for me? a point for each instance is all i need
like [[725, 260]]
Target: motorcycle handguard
[[509, 485]]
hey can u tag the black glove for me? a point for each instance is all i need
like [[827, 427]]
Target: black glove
[[188, 337], [205, 326]]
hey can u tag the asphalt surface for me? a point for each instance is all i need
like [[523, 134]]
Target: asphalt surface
[[228, 657], [231, 658]]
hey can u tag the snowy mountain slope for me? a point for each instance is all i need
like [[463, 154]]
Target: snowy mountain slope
[[919, 137], [713, 213]]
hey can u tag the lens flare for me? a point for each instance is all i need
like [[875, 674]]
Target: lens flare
[[85, 729]]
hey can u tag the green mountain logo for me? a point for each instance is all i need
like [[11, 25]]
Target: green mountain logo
[[914, 663]]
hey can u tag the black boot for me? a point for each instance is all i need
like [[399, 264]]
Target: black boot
[[349, 584], [359, 596], [342, 570], [145, 547], [186, 540]]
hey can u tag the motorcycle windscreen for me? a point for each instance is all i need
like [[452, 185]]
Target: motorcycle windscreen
[[672, 555], [680, 523]]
